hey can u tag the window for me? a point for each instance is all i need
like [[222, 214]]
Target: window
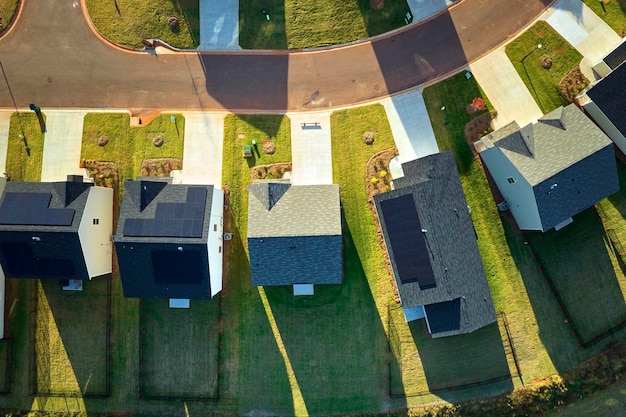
[[511, 180], [96, 221]]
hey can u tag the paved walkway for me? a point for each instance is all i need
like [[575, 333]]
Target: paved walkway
[[410, 125], [312, 161], [582, 28], [219, 24], [62, 144], [506, 90], [5, 118], [202, 154]]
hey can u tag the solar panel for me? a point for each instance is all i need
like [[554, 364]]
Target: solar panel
[[177, 267], [22, 263], [196, 195], [411, 253], [444, 316], [31, 209]]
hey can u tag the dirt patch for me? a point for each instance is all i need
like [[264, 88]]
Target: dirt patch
[[104, 174], [161, 167], [374, 168], [377, 4], [572, 84], [477, 128], [269, 171]]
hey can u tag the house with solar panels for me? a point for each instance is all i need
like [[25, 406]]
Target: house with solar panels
[[432, 248], [56, 230], [294, 235], [550, 170], [169, 240]]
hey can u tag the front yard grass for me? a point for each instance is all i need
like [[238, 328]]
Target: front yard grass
[[8, 8], [128, 22], [614, 16], [23, 165], [526, 58]]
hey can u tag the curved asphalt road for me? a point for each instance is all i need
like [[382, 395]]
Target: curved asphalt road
[[52, 58]]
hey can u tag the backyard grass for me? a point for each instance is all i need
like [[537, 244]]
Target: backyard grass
[[298, 24], [526, 58], [129, 146], [23, 164], [182, 344], [613, 13], [610, 402], [8, 8], [67, 361], [128, 22]]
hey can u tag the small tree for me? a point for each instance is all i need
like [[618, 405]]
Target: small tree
[[478, 104]]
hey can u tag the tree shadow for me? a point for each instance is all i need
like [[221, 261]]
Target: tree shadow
[[393, 15], [336, 341]]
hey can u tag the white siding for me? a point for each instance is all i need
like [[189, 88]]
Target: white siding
[[215, 243], [519, 195], [95, 239], [606, 125]]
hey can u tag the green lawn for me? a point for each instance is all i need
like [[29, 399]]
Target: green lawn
[[182, 344], [610, 402], [526, 58], [7, 12], [614, 16], [298, 24], [129, 146], [23, 164], [128, 22], [70, 343]]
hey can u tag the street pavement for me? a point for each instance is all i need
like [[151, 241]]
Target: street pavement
[[219, 24], [202, 153], [311, 155], [505, 89], [62, 145], [410, 125]]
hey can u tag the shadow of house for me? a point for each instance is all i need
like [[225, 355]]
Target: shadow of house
[[169, 240], [432, 248], [294, 235], [551, 170], [59, 230]]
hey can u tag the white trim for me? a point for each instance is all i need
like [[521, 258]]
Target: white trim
[[215, 241]]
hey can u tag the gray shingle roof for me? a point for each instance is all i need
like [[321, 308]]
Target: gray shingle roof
[[294, 234], [58, 253], [434, 183], [609, 94], [559, 139], [140, 268]]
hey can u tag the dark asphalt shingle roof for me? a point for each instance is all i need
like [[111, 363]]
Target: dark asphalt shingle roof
[[609, 94], [143, 270], [434, 184], [44, 251], [616, 57], [294, 234]]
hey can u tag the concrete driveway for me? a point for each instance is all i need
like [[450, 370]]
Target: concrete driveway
[[410, 125], [507, 92], [312, 161], [219, 24], [202, 153], [5, 119], [62, 144]]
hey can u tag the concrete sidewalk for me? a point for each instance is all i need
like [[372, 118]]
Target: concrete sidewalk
[[62, 144], [202, 153], [312, 161], [219, 24], [507, 92], [5, 121], [410, 125], [584, 30]]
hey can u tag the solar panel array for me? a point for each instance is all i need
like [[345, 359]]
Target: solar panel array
[[31, 209], [21, 262], [177, 267], [172, 219], [444, 316], [410, 248]]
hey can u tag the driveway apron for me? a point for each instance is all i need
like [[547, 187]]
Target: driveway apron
[[62, 144], [310, 148], [202, 154]]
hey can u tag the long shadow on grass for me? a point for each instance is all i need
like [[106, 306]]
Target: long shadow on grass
[[256, 31], [390, 17], [71, 339], [618, 200], [576, 258], [458, 363], [335, 341]]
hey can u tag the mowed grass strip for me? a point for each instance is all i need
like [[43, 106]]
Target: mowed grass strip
[[128, 22], [613, 13], [297, 24], [180, 349], [526, 58], [495, 241], [71, 334], [23, 164]]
